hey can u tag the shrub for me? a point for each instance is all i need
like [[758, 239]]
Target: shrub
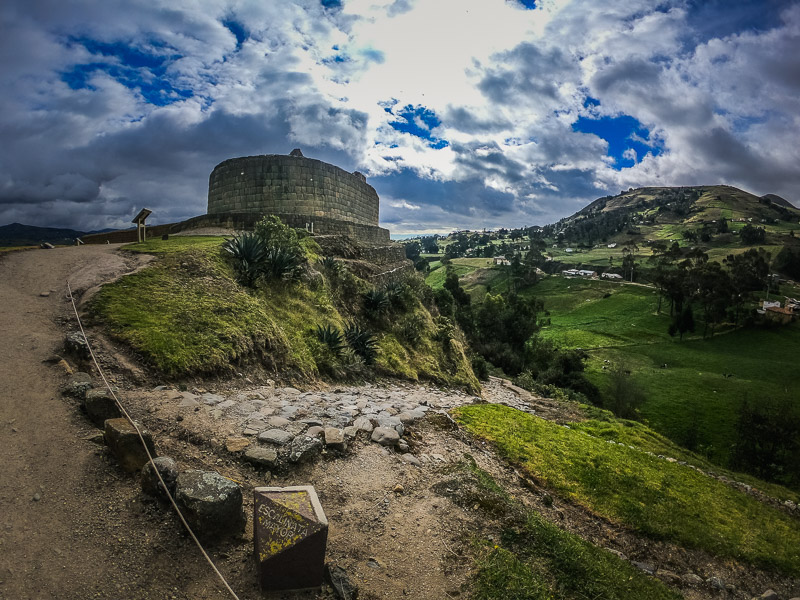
[[248, 252], [411, 328], [623, 396], [330, 264], [362, 342], [276, 234], [480, 367]]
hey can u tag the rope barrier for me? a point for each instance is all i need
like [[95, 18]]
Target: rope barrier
[[147, 450]]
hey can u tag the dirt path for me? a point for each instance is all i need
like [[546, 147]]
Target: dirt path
[[70, 525]]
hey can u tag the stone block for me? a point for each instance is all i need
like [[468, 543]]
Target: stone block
[[304, 448], [78, 385], [290, 534], [100, 406], [275, 436], [121, 437], [211, 504], [385, 436]]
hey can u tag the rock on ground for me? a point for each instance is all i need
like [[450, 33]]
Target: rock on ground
[[168, 469], [100, 406], [211, 503], [124, 442], [304, 448], [385, 436]]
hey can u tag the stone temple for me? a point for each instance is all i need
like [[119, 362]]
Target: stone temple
[[303, 192], [340, 208]]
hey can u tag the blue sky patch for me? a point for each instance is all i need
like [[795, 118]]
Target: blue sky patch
[[527, 4], [418, 121], [625, 136], [129, 66], [237, 29]]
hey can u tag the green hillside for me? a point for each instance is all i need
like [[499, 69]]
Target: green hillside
[[702, 393], [660, 499], [187, 313]]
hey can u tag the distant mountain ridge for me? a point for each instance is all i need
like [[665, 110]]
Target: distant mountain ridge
[[17, 234], [705, 201], [687, 206]]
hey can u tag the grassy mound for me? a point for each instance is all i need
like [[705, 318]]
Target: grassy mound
[[660, 499], [186, 313]]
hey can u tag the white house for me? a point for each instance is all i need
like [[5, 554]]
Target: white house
[[501, 260], [579, 273], [611, 276], [614, 245], [568, 250], [770, 304]]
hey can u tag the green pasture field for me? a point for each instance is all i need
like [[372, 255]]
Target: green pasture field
[[659, 499], [462, 266], [699, 393], [592, 313]]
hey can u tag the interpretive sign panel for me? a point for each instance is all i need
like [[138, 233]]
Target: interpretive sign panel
[[290, 535]]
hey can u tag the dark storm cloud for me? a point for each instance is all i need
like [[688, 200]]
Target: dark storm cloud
[[487, 160], [459, 197], [462, 119], [634, 73], [528, 74]]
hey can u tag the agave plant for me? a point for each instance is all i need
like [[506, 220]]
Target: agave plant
[[248, 252], [280, 263], [397, 292], [331, 337], [376, 303], [362, 342], [330, 264]]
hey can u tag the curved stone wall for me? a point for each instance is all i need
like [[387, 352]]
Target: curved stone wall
[[279, 184]]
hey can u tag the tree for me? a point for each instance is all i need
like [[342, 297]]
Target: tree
[[713, 293], [748, 273], [623, 395], [788, 262], [628, 266], [413, 250], [451, 285], [683, 322], [429, 245], [768, 440], [752, 235]]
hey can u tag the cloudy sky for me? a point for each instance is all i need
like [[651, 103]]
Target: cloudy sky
[[462, 113]]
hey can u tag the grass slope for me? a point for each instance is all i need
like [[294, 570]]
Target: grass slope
[[187, 314], [657, 498], [536, 560]]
